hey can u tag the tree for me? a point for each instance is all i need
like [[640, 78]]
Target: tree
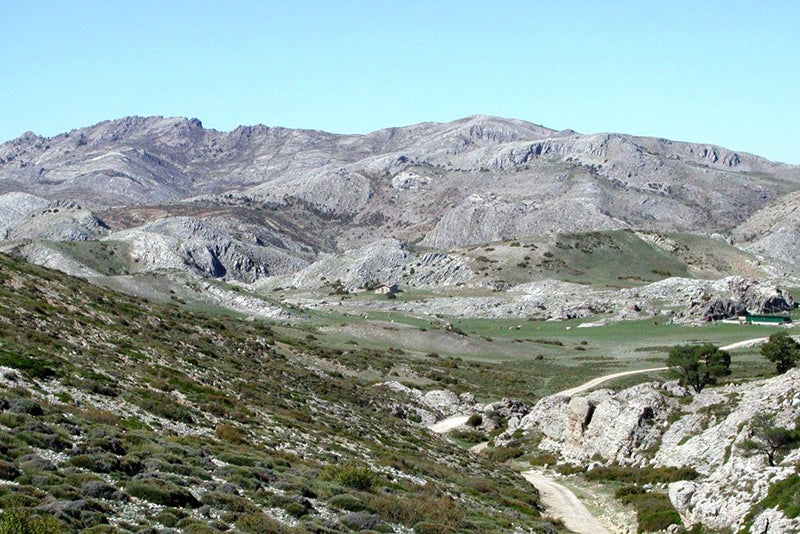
[[781, 350], [768, 439], [699, 365]]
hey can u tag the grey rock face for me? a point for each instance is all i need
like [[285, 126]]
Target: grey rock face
[[421, 179], [59, 221], [15, 208], [746, 296], [205, 248], [613, 427], [647, 424], [355, 269]]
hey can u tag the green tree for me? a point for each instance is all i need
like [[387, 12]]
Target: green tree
[[769, 439], [699, 365], [781, 350]]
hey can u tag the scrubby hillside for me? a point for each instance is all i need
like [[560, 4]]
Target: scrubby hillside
[[120, 415]]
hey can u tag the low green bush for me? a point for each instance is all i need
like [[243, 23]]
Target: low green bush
[[259, 523], [503, 454], [29, 367], [347, 502], [356, 477], [785, 495], [654, 511], [17, 520], [160, 491]]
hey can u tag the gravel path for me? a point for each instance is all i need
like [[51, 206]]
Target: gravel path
[[564, 505], [446, 425]]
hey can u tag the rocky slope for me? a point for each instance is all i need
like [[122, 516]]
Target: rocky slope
[[120, 415], [774, 230], [662, 425]]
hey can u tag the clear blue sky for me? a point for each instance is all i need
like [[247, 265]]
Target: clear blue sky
[[723, 72]]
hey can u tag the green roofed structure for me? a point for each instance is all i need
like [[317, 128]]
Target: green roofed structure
[[768, 319]]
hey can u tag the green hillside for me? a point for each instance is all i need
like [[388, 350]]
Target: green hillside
[[118, 415]]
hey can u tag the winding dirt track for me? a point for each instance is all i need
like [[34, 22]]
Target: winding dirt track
[[600, 379], [560, 501], [564, 505]]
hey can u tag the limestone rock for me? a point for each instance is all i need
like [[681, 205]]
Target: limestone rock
[[647, 425]]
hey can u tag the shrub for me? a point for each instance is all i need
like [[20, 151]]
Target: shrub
[[637, 475], [160, 491], [259, 523], [362, 521], [14, 520], [229, 433], [475, 420], [164, 406], [347, 502], [654, 511], [426, 527], [503, 454], [658, 521], [30, 367], [544, 458], [469, 435], [295, 509], [785, 495], [228, 502], [355, 477]]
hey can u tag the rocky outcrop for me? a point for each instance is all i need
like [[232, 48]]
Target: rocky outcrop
[[649, 425], [746, 296], [709, 439], [204, 248], [429, 406], [616, 428], [62, 220], [15, 208], [355, 269]]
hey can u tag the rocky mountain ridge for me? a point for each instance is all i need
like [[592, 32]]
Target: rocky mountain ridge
[[262, 206], [524, 174]]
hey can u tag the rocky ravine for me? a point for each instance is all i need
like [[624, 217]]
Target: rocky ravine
[[653, 424], [658, 425]]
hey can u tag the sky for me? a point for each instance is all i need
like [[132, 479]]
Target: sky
[[721, 72]]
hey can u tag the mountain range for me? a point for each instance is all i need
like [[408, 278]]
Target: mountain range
[[168, 195]]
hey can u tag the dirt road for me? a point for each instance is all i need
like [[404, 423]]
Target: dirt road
[[560, 501], [446, 425], [600, 379], [563, 504], [605, 378]]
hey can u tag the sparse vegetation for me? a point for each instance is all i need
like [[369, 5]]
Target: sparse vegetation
[[187, 410], [769, 439]]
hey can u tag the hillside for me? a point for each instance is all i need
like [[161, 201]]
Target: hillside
[[119, 415]]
